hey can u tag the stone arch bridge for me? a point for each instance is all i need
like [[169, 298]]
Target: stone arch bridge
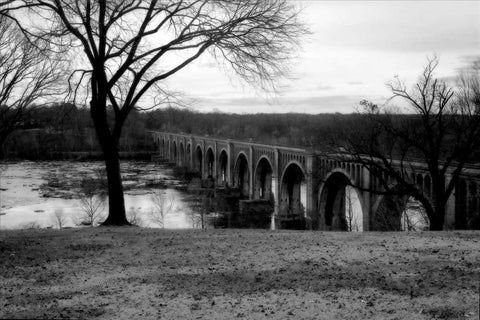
[[302, 183]]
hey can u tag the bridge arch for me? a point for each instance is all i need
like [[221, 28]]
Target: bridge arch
[[389, 211], [188, 160], [340, 206], [264, 179], [175, 154], [420, 181], [199, 160], [223, 167], [156, 144], [293, 191], [210, 162], [181, 156], [242, 174], [401, 212]]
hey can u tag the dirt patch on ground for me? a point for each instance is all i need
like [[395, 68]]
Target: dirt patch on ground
[[134, 273]]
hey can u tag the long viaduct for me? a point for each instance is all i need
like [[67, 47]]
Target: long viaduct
[[305, 184]]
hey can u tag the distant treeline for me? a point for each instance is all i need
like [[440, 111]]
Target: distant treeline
[[53, 130], [62, 128], [287, 129]]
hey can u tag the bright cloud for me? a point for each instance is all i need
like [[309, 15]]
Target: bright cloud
[[354, 49]]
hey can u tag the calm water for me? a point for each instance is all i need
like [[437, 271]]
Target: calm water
[[32, 192]]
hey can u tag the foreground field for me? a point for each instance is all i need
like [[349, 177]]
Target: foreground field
[[133, 273]]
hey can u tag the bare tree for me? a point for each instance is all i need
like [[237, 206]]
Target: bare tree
[[30, 225], [352, 220], [134, 217], [162, 206], [91, 209], [27, 75], [58, 218], [201, 207], [439, 134], [132, 47]]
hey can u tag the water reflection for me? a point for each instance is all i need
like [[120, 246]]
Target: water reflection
[[414, 217], [353, 210]]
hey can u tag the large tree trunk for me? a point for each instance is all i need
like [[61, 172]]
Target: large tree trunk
[[3, 140], [109, 145], [116, 202], [437, 217], [436, 224]]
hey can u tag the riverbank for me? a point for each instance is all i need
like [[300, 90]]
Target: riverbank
[[137, 273]]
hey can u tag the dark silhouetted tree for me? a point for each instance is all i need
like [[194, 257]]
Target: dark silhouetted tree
[[437, 130]]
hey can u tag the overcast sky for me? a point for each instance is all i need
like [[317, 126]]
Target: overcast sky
[[355, 48]]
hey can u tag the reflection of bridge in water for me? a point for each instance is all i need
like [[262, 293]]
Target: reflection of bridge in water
[[305, 184]]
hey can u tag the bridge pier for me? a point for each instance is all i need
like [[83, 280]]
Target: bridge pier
[[215, 166], [310, 191], [450, 216], [368, 199], [231, 163], [250, 172]]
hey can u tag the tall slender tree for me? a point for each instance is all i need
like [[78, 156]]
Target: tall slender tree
[[437, 132], [131, 47]]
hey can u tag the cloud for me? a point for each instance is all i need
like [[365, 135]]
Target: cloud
[[449, 80], [470, 59], [311, 104], [210, 65], [234, 102], [400, 26], [321, 104], [355, 48], [323, 88]]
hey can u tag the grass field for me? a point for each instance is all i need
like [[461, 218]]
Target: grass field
[[135, 273]]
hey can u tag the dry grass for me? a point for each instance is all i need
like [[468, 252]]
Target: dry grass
[[132, 273]]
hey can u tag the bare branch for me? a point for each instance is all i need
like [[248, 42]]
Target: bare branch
[[28, 76]]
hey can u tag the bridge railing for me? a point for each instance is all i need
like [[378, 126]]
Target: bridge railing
[[469, 169], [249, 143]]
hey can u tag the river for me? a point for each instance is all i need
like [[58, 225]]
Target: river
[[33, 194], [36, 194]]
